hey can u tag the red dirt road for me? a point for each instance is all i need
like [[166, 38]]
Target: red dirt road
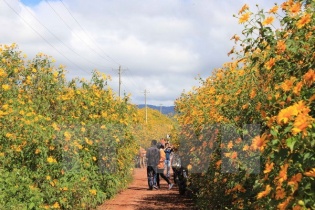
[[138, 197]]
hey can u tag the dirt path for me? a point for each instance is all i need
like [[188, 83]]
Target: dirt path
[[138, 197]]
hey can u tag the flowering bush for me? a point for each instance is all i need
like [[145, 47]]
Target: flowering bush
[[63, 145], [259, 109]]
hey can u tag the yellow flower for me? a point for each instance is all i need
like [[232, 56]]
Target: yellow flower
[[245, 148], [306, 18], [268, 21], [94, 158], [252, 94], [189, 167], [93, 192], [67, 136], [37, 151], [295, 180], [259, 142], [230, 145], [309, 77], [2, 73], [281, 46], [283, 173], [48, 177], [297, 89], [6, 87], [268, 168], [310, 173], [55, 126], [274, 9], [295, 8], [286, 114], [244, 17], [284, 204], [50, 159], [269, 64], [280, 193], [301, 123], [265, 192], [56, 205], [5, 106], [245, 7]]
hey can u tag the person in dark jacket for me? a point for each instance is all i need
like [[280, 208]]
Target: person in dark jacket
[[153, 158]]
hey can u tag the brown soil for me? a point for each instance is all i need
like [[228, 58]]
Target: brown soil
[[138, 197]]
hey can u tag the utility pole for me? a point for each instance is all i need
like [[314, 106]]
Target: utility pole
[[119, 76], [119, 80], [146, 108]]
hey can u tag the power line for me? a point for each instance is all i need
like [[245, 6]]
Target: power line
[[75, 33], [87, 33], [29, 25], [58, 38]]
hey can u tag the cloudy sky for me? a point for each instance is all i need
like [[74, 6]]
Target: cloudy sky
[[161, 45]]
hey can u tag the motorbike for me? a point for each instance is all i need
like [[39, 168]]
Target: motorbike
[[180, 176]]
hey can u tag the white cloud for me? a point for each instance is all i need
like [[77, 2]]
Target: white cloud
[[163, 44]]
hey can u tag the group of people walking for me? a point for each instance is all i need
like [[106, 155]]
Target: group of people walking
[[158, 159]]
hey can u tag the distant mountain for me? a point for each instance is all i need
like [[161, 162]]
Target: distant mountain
[[167, 110]]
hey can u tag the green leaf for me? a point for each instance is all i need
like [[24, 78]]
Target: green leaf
[[31, 205], [274, 132], [290, 143], [306, 156]]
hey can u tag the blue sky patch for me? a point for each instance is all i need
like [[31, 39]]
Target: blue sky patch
[[30, 2]]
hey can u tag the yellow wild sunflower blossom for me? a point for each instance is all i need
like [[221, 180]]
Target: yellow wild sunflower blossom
[[93, 192], [285, 115], [274, 9], [294, 181], [2, 73], [283, 173], [244, 18], [259, 142], [265, 192], [50, 159], [269, 20], [310, 173], [297, 88], [281, 46], [67, 136], [6, 87], [287, 85], [269, 64], [284, 204], [280, 193], [305, 19], [301, 123], [268, 168], [252, 94], [295, 8], [243, 9], [56, 205], [309, 77]]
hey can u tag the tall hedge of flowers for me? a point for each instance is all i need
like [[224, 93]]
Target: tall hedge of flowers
[[63, 145], [251, 125]]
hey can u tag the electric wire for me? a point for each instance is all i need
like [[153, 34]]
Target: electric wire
[[29, 25], [59, 39], [87, 34], [91, 48]]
